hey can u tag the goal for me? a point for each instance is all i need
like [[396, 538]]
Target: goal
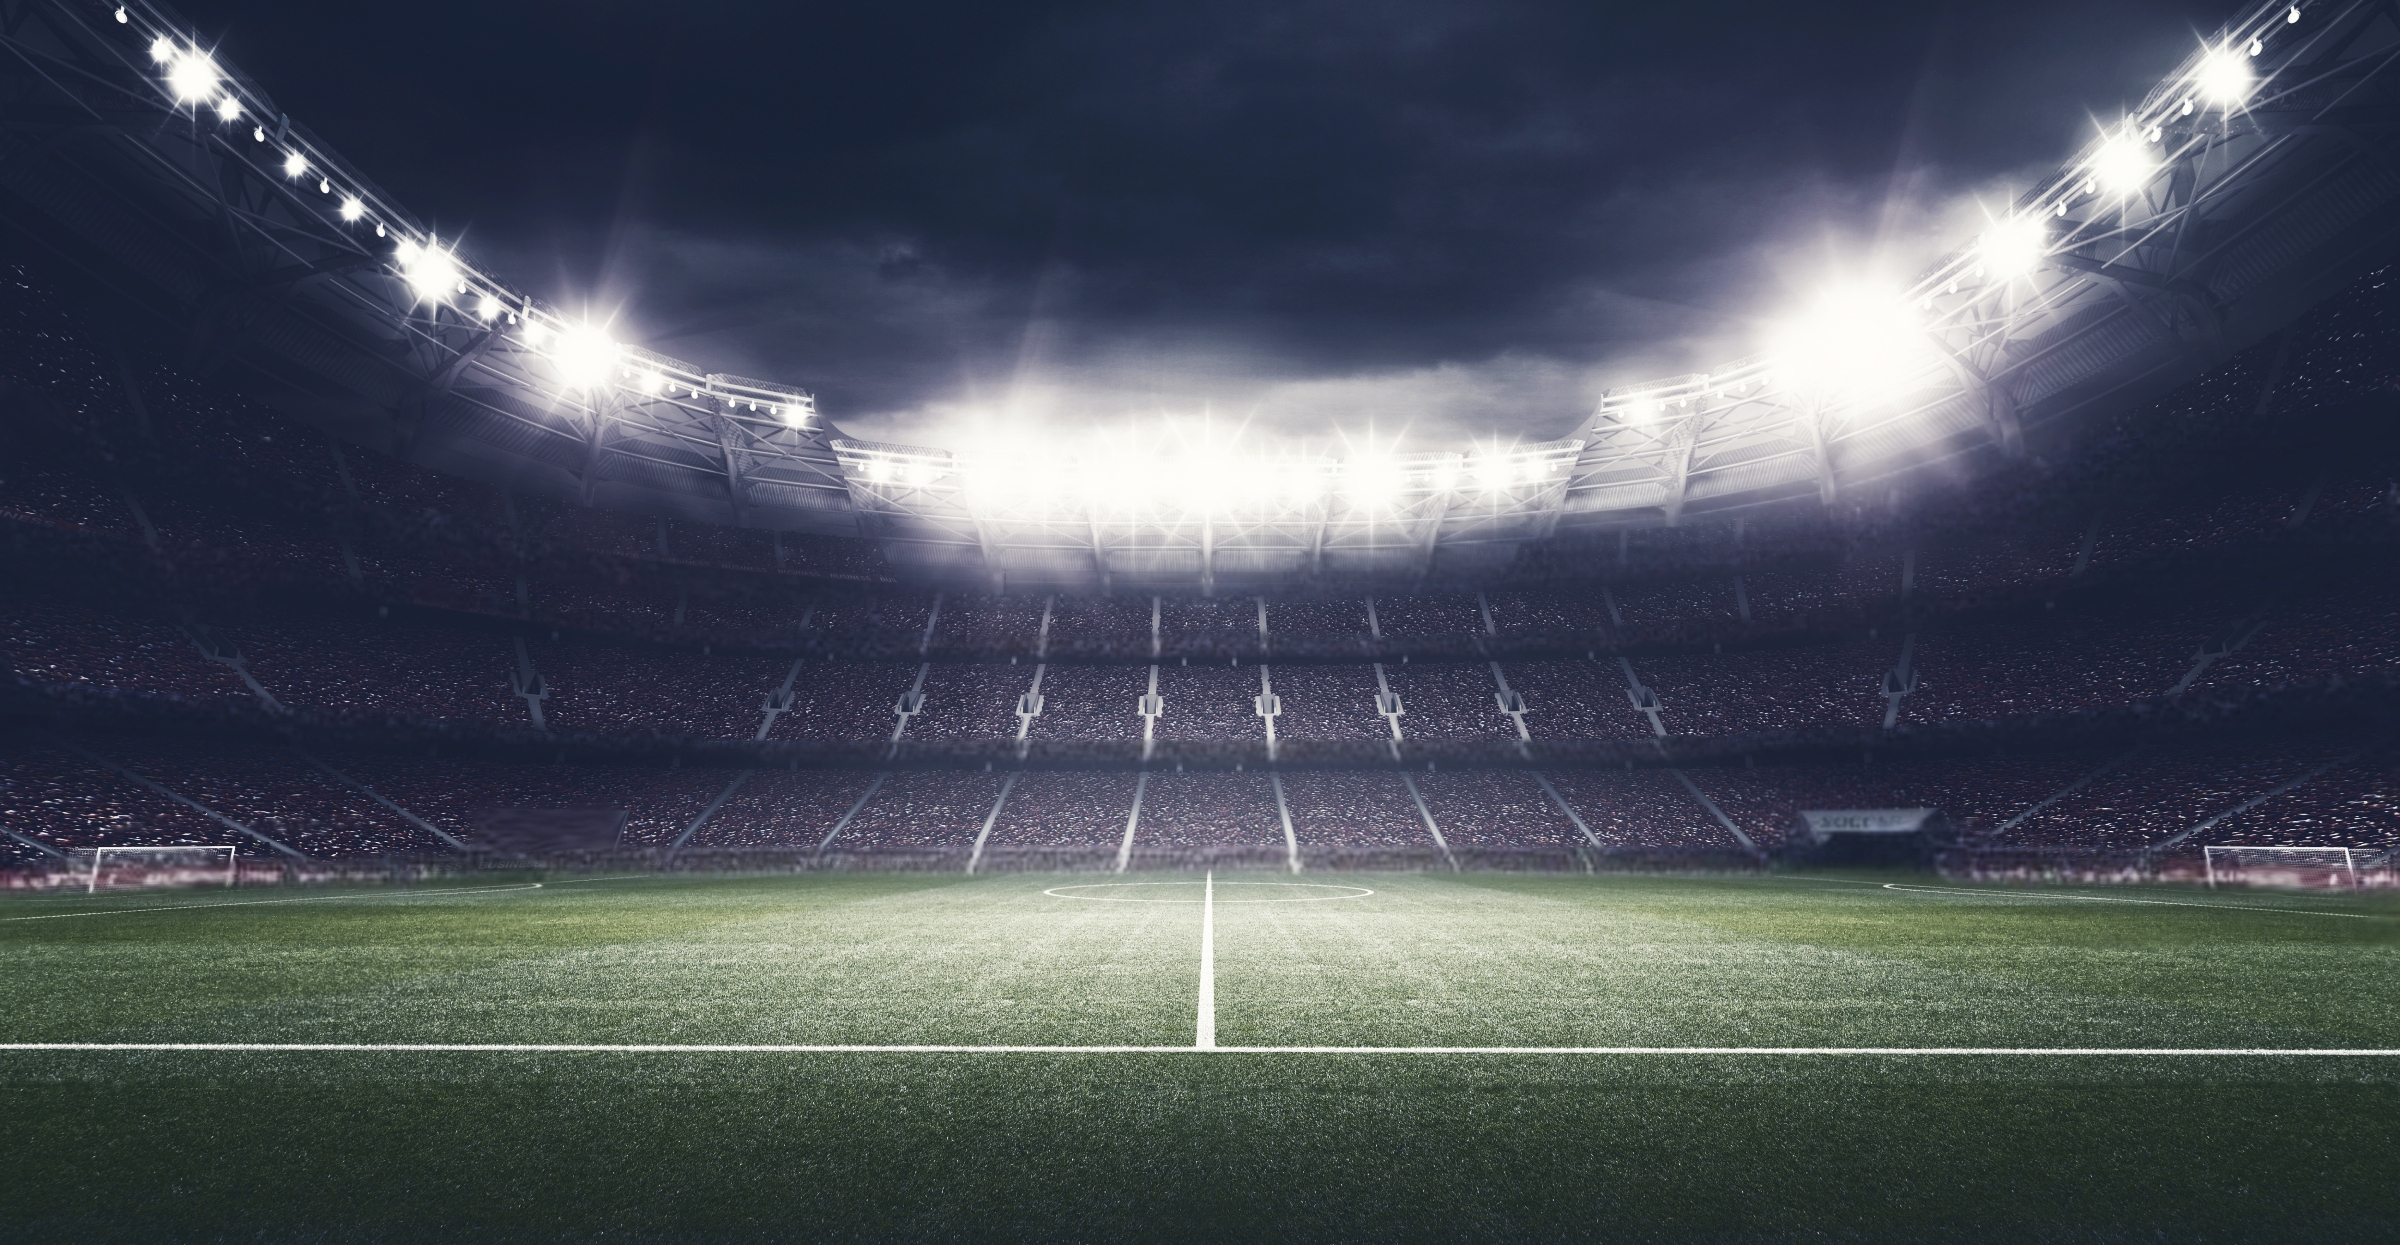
[[189, 863], [2282, 866]]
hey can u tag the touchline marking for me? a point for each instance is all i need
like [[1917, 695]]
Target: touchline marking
[[570, 1048], [252, 903], [2168, 903], [1206, 1036]]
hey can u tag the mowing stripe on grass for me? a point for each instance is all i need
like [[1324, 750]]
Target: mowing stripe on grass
[[1206, 1037], [253, 903], [570, 1048], [2165, 903]]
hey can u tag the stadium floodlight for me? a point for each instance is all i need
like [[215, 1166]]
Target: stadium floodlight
[[586, 357], [352, 208], [790, 414], [229, 109], [1370, 482], [122, 19], [1854, 342], [1300, 484], [192, 76], [1491, 472], [487, 309], [2257, 45], [294, 165], [2225, 78], [162, 49], [429, 270], [2122, 165], [2013, 247], [2290, 18]]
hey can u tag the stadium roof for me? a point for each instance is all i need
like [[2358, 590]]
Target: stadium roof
[[2256, 177]]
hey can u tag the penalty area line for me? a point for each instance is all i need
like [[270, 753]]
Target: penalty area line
[[569, 1048]]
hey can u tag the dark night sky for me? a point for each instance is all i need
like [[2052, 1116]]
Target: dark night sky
[[1450, 218]]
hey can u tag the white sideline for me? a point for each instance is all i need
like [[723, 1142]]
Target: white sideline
[[537, 1048], [253, 903]]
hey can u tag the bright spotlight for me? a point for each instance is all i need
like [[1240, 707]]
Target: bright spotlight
[[229, 109], [586, 357], [2013, 247], [162, 49], [789, 413], [295, 164], [1370, 482], [1300, 484], [429, 270], [487, 309], [1491, 471], [1854, 343], [1534, 471], [192, 76], [352, 209], [2123, 166], [2225, 78]]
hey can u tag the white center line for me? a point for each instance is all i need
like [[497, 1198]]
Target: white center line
[[1207, 1038]]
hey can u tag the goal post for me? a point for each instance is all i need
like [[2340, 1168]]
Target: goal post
[[202, 861], [2297, 866]]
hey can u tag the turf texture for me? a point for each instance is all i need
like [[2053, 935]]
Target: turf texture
[[778, 1145]]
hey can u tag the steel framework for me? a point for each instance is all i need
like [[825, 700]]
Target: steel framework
[[260, 248]]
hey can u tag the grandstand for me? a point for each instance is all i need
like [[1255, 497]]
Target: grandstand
[[2098, 556]]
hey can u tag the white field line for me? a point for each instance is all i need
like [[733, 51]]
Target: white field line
[[1206, 1036], [253, 903], [2166, 903], [539, 1048]]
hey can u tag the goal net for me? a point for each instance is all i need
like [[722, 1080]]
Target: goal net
[[188, 865], [2282, 866]]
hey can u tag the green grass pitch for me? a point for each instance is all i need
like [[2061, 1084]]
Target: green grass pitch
[[1668, 1144]]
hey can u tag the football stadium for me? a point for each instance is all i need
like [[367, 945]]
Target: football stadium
[[467, 773]]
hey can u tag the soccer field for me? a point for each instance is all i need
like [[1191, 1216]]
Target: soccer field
[[1374, 1056]]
